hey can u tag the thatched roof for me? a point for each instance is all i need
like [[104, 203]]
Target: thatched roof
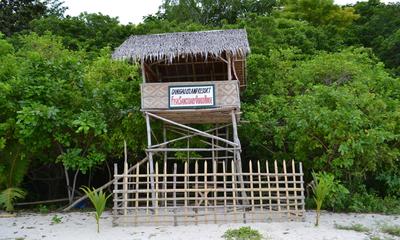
[[170, 45]]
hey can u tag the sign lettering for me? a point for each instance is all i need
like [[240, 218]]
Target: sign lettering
[[191, 96]]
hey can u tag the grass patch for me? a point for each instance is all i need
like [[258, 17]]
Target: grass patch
[[392, 230], [354, 227], [243, 233]]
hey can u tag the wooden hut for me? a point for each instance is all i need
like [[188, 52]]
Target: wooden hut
[[214, 58], [191, 82]]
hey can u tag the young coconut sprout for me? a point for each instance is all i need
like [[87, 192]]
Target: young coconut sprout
[[9, 196], [321, 186], [99, 200]]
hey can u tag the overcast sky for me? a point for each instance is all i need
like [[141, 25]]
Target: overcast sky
[[130, 10]]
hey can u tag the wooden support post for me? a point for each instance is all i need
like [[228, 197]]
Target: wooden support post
[[238, 160], [205, 192], [215, 192], [185, 187], [147, 193], [143, 70], [150, 155], [196, 186], [165, 166], [174, 194], [229, 66], [226, 145], [216, 143], [188, 147]]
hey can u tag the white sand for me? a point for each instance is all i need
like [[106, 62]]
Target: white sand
[[80, 226]]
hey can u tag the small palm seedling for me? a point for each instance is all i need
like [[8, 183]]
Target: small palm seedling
[[99, 200], [321, 187], [9, 196]]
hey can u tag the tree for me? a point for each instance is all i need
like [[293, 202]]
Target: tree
[[89, 31], [377, 28], [215, 13], [65, 109], [15, 15], [320, 13], [389, 51], [338, 117]]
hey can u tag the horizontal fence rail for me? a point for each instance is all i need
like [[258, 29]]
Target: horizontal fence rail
[[208, 192]]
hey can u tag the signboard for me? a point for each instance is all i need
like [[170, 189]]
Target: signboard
[[193, 96]]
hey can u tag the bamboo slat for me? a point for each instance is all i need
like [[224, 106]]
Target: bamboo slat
[[156, 193], [260, 195], [251, 187], [174, 194], [296, 208], [286, 189], [115, 195], [186, 192]]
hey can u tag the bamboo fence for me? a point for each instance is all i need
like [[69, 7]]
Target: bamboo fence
[[208, 192]]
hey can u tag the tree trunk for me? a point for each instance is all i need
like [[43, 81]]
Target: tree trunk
[[73, 186], [70, 199]]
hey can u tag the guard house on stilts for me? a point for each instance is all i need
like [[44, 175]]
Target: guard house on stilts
[[193, 173]]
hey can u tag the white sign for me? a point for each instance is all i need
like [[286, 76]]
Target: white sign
[[191, 96]]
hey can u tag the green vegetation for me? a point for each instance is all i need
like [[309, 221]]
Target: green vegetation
[[354, 227], [99, 200], [365, 203], [321, 186], [323, 88], [43, 209], [243, 233], [9, 196], [56, 219], [392, 230]]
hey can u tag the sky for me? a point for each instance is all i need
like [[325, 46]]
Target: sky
[[131, 10]]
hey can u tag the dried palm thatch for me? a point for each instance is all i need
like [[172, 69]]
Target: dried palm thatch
[[168, 46]]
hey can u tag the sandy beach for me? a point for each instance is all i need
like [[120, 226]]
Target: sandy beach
[[81, 225]]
